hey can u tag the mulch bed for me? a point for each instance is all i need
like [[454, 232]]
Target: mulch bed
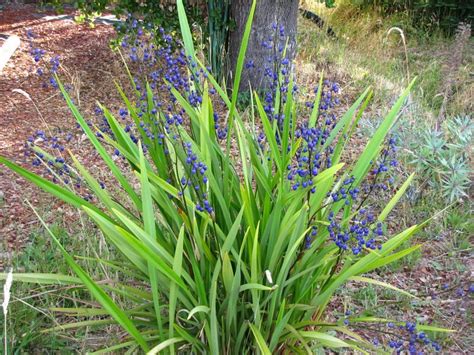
[[89, 65]]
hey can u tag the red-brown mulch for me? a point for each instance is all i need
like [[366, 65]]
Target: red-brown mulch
[[87, 62]]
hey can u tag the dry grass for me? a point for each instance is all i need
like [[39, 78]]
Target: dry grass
[[367, 55]]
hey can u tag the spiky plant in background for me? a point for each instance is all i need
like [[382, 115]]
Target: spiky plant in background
[[444, 158]]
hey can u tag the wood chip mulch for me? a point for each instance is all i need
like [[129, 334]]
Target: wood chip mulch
[[88, 65]]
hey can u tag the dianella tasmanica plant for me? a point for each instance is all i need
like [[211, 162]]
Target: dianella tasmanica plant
[[236, 229]]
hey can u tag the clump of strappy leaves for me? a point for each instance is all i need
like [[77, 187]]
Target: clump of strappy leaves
[[235, 235]]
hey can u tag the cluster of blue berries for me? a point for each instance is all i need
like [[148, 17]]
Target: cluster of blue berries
[[409, 340], [220, 127], [46, 151], [462, 291], [309, 161], [380, 177], [403, 338], [329, 100], [310, 158], [196, 179], [363, 232], [346, 192], [164, 66], [47, 70], [276, 71], [159, 61], [310, 237]]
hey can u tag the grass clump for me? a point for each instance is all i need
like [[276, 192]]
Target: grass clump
[[233, 237]]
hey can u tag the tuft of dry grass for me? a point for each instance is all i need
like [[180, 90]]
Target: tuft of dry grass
[[364, 54], [463, 33]]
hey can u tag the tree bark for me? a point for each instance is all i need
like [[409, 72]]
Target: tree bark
[[268, 12]]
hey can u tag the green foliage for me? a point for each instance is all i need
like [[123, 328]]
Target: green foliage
[[427, 14], [238, 278], [443, 157], [330, 3], [32, 304], [219, 23]]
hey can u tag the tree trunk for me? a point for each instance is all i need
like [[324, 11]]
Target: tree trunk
[[268, 13]]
